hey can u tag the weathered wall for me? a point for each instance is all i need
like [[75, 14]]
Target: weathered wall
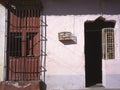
[[111, 72], [2, 41], [30, 85], [66, 63]]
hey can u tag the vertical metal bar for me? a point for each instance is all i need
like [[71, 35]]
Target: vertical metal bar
[[113, 44], [41, 44], [31, 41], [9, 52], [45, 48], [31, 58], [38, 44], [20, 17], [31, 69], [28, 41], [110, 44], [39, 67], [103, 44], [23, 23], [26, 37], [106, 44], [16, 44], [16, 47], [19, 42], [34, 68], [25, 44], [38, 52], [12, 44], [7, 46], [6, 72], [19, 70], [35, 24]]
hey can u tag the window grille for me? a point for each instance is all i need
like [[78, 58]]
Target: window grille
[[23, 47], [108, 43]]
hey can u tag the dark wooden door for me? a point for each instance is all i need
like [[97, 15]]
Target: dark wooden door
[[24, 45], [93, 57], [93, 52]]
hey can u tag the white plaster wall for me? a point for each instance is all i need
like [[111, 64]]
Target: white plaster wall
[[2, 41], [66, 63], [111, 72]]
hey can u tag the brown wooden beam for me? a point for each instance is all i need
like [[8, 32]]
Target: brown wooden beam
[[19, 4]]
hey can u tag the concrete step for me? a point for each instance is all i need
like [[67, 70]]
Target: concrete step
[[99, 86], [22, 85], [99, 89]]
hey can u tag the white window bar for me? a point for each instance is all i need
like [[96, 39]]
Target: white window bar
[[108, 44]]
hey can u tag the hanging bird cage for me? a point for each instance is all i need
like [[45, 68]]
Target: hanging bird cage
[[66, 36]]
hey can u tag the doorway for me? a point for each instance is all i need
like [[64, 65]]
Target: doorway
[[93, 49]]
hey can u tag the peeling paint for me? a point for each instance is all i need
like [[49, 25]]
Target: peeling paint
[[21, 86], [66, 63]]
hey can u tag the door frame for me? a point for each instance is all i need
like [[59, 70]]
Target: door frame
[[102, 23]]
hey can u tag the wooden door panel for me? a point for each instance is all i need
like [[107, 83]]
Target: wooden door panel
[[24, 68]]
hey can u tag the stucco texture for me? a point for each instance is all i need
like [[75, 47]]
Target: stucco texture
[[2, 40]]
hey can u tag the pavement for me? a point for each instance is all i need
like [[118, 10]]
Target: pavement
[[99, 87]]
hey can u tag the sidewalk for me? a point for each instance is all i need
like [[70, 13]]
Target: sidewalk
[[99, 87]]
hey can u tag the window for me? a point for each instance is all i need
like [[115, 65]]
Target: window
[[108, 43], [15, 44], [30, 44], [23, 46]]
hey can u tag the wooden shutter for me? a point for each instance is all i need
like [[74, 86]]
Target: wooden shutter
[[24, 45]]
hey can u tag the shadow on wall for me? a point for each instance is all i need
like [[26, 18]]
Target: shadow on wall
[[69, 42], [43, 86], [81, 7]]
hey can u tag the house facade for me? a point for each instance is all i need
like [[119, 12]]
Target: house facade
[[68, 45]]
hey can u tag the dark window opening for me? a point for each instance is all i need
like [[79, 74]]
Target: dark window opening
[[30, 44], [15, 44]]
